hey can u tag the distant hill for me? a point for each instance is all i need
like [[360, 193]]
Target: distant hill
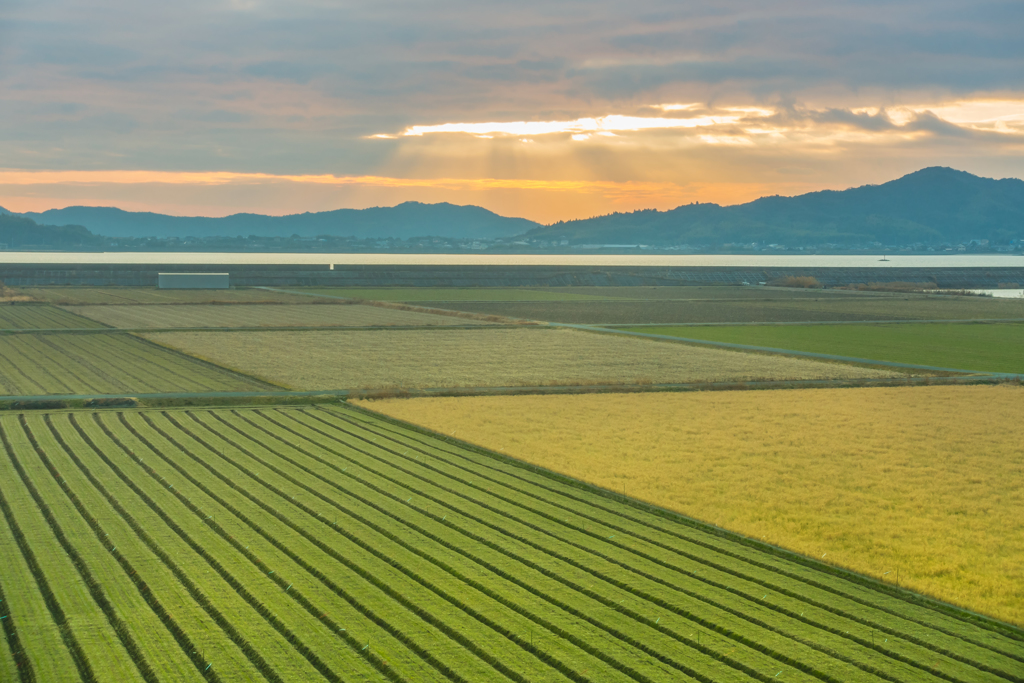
[[411, 219], [932, 206], [17, 232]]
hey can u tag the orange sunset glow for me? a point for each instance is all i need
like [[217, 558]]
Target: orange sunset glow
[[551, 117]]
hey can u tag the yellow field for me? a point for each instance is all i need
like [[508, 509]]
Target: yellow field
[[928, 481], [485, 357]]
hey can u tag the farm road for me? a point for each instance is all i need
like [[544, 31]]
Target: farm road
[[497, 391]]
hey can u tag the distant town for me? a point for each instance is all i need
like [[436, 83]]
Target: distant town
[[335, 244]]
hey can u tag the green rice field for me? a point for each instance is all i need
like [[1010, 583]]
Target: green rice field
[[821, 308], [327, 544], [982, 347], [105, 363]]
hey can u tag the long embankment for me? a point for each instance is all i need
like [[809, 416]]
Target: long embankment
[[391, 275]]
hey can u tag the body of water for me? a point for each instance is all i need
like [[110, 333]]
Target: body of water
[[716, 260], [1001, 293]]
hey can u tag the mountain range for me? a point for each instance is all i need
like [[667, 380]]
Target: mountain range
[[411, 219], [932, 206]]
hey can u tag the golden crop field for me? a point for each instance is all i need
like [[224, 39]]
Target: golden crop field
[[260, 315], [926, 481], [483, 358]]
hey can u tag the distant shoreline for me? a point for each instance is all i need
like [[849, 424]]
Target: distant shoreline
[[856, 260]]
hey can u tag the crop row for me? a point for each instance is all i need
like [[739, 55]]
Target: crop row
[[109, 363], [41, 318]]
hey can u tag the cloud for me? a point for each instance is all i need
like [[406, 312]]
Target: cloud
[[741, 125], [297, 88]]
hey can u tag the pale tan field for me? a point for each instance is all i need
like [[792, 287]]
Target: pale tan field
[[485, 357], [257, 315], [926, 480]]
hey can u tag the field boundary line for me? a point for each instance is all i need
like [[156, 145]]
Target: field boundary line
[[25, 400], [663, 563], [919, 599]]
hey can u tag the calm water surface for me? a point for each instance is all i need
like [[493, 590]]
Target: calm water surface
[[720, 260]]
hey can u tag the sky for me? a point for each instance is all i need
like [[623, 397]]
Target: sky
[[547, 110]]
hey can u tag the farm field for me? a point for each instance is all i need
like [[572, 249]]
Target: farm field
[[324, 544], [78, 296], [819, 309], [260, 315], [417, 294], [989, 347], [513, 294], [701, 292], [924, 481], [33, 317], [36, 364], [312, 360]]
